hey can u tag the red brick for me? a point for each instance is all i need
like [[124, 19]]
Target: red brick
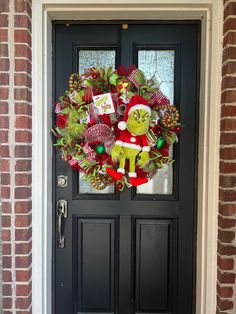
[[23, 136], [23, 165], [227, 167], [228, 138], [23, 303], [4, 151], [22, 21], [23, 235], [7, 304], [23, 290], [6, 221], [23, 207], [227, 195], [225, 304], [23, 248], [228, 125], [224, 292], [23, 220], [3, 107], [23, 108], [22, 94], [3, 52], [22, 65], [228, 96], [22, 7], [229, 53], [4, 6], [22, 36], [4, 78], [4, 64], [3, 20], [227, 250], [23, 122], [6, 207], [226, 236], [225, 263], [6, 235], [6, 276], [6, 248], [22, 79], [22, 192], [229, 24], [23, 51], [6, 290], [4, 122], [4, 165], [23, 261], [3, 136], [229, 81], [23, 179], [5, 192], [6, 262], [230, 9], [3, 35], [229, 39], [227, 209], [5, 178], [4, 92], [227, 181], [23, 275], [23, 151], [226, 223], [226, 277], [229, 68]]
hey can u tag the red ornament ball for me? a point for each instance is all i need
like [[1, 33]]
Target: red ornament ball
[[69, 157], [119, 186]]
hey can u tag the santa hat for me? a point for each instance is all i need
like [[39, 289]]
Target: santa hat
[[136, 102]]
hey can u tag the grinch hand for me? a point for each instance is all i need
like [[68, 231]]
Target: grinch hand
[[132, 144]]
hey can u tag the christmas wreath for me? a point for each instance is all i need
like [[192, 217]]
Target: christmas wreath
[[115, 126]]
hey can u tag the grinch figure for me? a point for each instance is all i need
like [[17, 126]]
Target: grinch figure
[[132, 143]]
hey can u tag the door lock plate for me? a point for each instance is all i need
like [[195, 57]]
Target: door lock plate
[[62, 181]]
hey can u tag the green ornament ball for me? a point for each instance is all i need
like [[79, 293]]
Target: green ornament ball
[[161, 143], [100, 149]]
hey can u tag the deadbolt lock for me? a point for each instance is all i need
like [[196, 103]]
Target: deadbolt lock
[[62, 181]]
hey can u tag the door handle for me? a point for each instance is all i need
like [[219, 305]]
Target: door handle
[[62, 212]]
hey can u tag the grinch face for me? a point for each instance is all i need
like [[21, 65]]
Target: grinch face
[[138, 122]]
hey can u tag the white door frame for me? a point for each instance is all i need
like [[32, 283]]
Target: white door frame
[[210, 12]]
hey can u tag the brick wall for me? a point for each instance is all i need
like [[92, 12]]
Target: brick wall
[[15, 153], [226, 285]]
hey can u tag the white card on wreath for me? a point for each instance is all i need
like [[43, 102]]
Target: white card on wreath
[[104, 103]]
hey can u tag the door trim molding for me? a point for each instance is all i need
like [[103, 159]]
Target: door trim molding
[[210, 12]]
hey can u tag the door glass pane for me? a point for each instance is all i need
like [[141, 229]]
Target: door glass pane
[[94, 58], [159, 65], [88, 59], [85, 187]]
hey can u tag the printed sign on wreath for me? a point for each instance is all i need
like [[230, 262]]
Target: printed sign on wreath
[[104, 104]]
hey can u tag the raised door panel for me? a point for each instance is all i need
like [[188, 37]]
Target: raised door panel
[[154, 256], [95, 264]]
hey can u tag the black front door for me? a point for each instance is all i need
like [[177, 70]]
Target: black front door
[[130, 252]]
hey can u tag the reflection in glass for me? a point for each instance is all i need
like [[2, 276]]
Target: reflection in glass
[[95, 58], [85, 187], [159, 65]]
